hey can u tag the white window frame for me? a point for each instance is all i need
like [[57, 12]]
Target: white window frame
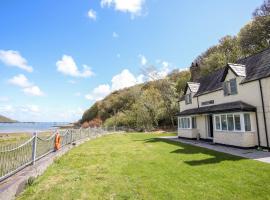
[[190, 122], [227, 86], [242, 122], [188, 98]]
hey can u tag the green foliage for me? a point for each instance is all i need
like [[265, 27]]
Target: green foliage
[[255, 36], [228, 50]]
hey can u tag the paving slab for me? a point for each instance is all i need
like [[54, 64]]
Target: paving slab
[[259, 155]]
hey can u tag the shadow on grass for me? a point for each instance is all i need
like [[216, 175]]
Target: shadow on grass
[[216, 157]]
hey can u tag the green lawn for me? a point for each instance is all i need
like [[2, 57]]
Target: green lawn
[[140, 166]]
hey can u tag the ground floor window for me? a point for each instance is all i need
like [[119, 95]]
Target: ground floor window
[[233, 122], [187, 122]]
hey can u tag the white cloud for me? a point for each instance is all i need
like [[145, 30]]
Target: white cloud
[[118, 55], [14, 58], [134, 7], [143, 60], [68, 66], [122, 80], [99, 92], [92, 14], [141, 79], [119, 81], [33, 91], [20, 80], [115, 35], [28, 87]]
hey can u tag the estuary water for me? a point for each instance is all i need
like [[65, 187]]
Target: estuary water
[[29, 126]]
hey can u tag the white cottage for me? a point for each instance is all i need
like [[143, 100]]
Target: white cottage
[[230, 106]]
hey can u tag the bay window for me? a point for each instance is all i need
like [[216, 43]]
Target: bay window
[[233, 122], [247, 122]]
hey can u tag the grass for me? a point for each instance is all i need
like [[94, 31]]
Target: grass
[[140, 166], [12, 138]]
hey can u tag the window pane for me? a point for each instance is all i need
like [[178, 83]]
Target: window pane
[[224, 122], [247, 122], [225, 89], [188, 122], [237, 122], [233, 86], [194, 123], [230, 122], [217, 119], [179, 122]]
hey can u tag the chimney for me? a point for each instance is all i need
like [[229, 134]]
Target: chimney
[[195, 71]]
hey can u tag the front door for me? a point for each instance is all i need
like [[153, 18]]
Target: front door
[[210, 126]]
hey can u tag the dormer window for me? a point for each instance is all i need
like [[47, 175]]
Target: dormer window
[[188, 98], [230, 87]]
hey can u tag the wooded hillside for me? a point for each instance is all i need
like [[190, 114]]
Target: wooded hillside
[[155, 103], [4, 119]]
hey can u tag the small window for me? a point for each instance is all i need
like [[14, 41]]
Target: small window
[[188, 98], [184, 122], [217, 121], [194, 122], [230, 87], [230, 122], [224, 122], [247, 122], [237, 122], [233, 86]]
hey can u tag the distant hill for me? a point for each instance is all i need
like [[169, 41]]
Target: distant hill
[[5, 119]]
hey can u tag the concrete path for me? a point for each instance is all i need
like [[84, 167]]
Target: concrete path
[[254, 154]]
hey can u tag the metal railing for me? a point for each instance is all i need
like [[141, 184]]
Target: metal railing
[[15, 157]]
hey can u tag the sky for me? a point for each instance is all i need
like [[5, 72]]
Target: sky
[[58, 57]]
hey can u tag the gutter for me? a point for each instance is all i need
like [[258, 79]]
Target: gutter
[[258, 129], [264, 117]]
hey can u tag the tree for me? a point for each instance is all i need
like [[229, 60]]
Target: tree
[[263, 10], [228, 50], [255, 36]]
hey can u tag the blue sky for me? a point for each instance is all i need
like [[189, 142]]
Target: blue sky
[[58, 57]]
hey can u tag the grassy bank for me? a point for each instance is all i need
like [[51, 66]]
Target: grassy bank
[[140, 166]]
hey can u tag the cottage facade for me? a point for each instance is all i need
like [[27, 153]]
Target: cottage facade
[[230, 106]]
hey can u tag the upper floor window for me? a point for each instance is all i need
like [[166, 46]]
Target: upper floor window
[[230, 87], [188, 98]]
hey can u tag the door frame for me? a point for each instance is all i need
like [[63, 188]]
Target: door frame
[[210, 126]]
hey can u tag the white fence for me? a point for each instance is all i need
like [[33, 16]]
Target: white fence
[[13, 158]]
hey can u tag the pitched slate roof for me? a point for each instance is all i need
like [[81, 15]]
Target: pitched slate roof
[[238, 69], [225, 107], [193, 86], [257, 66], [252, 68], [211, 82]]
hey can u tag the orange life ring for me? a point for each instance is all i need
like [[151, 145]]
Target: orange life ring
[[57, 144]]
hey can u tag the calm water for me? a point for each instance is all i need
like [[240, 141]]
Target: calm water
[[29, 127]]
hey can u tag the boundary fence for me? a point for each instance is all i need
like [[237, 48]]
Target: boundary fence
[[14, 158]]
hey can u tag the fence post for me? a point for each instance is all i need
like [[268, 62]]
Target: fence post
[[34, 148]]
